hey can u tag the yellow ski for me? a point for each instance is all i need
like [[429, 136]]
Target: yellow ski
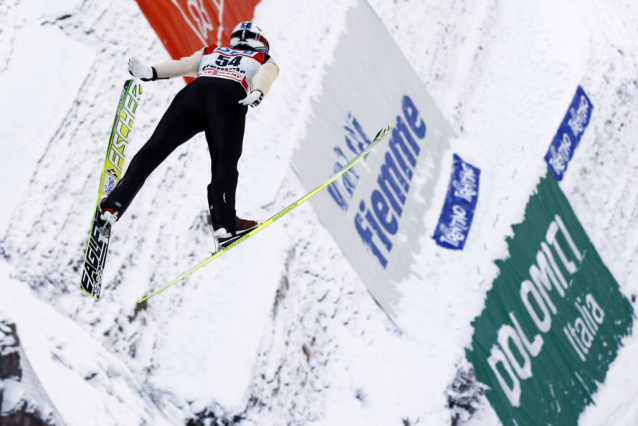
[[98, 242], [378, 138]]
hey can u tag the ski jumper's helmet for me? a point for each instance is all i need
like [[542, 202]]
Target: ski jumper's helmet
[[248, 35]]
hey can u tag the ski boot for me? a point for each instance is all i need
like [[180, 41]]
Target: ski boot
[[223, 237], [108, 215]]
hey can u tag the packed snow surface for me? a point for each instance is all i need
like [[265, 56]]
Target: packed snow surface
[[281, 330]]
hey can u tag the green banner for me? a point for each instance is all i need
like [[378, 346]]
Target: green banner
[[553, 320]]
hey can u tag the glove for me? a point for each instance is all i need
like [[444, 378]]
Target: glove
[[253, 99], [138, 70]]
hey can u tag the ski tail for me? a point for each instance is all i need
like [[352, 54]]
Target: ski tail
[[99, 235], [378, 138]]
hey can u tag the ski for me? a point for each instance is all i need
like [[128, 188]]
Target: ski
[[378, 138], [99, 236]]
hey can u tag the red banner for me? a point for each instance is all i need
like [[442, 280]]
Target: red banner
[[187, 25]]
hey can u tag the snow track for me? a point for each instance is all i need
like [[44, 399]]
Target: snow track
[[281, 330]]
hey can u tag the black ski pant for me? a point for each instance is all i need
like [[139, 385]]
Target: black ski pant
[[207, 105]]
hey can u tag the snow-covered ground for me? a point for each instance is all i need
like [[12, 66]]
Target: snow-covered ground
[[281, 330]]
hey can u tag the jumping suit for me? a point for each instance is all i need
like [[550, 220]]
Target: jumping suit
[[209, 104]]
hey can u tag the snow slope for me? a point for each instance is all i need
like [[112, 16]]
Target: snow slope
[[281, 330], [64, 61], [83, 381]]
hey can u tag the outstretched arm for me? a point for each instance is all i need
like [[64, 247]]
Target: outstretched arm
[[261, 82], [265, 76], [186, 66]]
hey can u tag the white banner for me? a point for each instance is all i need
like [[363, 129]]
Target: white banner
[[376, 210]]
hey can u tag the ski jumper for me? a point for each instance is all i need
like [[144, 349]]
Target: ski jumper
[[209, 104]]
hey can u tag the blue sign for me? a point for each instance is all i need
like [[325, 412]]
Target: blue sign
[[460, 203], [569, 134]]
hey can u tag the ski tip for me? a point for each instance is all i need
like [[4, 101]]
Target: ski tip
[[381, 134]]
